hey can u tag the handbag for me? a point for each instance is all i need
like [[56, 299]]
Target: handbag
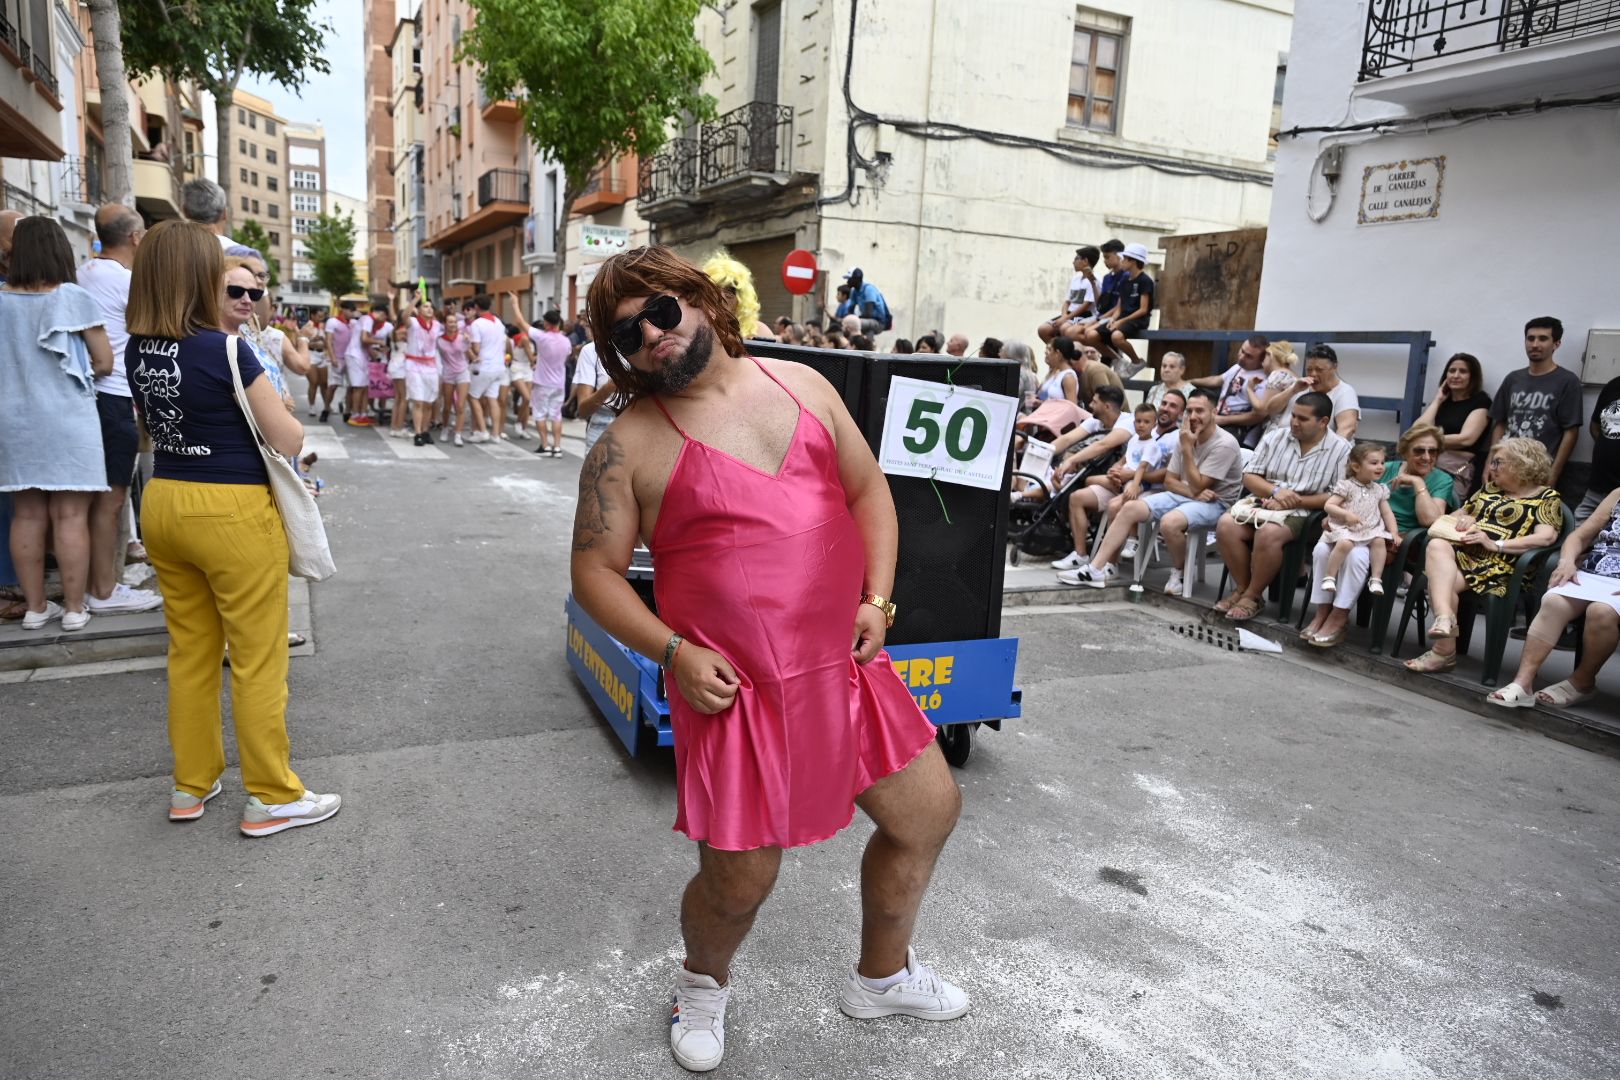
[[309, 556], [1248, 511], [1460, 465]]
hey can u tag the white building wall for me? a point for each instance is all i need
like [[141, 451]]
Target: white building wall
[[1527, 225], [977, 238]]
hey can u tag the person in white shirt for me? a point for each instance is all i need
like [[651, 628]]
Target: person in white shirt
[[486, 364], [1142, 456], [594, 392], [1079, 301], [357, 372], [422, 333], [106, 279]]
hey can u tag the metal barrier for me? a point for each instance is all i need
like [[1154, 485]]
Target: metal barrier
[[1417, 342]]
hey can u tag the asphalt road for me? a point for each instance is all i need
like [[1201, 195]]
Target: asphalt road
[[1179, 862]]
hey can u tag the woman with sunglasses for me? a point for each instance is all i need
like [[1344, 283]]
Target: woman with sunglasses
[[245, 304], [1419, 493], [212, 528]]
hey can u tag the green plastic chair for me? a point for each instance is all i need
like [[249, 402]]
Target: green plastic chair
[[1383, 609], [1530, 573]]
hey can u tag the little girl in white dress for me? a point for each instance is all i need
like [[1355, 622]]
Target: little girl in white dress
[[1360, 515]]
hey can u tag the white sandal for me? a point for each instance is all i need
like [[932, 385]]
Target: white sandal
[[1564, 694], [1512, 696]]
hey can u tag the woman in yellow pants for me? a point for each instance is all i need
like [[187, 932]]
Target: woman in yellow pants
[[213, 532]]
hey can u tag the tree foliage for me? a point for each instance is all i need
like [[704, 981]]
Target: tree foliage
[[330, 242], [214, 43], [251, 234], [594, 79]]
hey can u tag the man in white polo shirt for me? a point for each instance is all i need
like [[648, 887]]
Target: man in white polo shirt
[[357, 368], [106, 279], [486, 362]]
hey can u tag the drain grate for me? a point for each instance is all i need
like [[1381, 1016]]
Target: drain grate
[[1209, 635]]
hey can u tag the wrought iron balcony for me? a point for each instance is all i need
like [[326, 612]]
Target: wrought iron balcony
[[81, 181], [8, 31], [672, 173], [746, 152], [1403, 35], [503, 185], [755, 138], [43, 72]]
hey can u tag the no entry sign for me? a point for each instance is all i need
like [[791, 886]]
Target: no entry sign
[[799, 271]]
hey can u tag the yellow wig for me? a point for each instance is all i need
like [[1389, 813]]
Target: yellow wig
[[727, 272]]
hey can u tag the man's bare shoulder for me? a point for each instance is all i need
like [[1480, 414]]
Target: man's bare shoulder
[[804, 380]]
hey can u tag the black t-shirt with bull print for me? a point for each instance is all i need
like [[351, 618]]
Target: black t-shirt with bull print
[[184, 393]]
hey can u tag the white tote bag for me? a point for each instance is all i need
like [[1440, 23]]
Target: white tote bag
[[308, 554]]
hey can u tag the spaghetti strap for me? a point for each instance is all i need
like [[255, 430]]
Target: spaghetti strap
[[778, 382], [670, 418]]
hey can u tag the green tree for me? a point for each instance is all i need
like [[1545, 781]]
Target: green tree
[[592, 78], [330, 242], [215, 43], [251, 234]]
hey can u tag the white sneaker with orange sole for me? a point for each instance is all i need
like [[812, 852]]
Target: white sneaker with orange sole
[[261, 819]]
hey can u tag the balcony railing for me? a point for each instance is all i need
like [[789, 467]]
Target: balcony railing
[[43, 72], [603, 180], [1403, 35], [503, 185], [8, 32], [81, 181], [672, 173], [755, 140]]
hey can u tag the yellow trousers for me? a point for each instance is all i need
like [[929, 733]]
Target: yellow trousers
[[221, 560]]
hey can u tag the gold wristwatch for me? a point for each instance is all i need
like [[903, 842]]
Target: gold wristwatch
[[883, 604]]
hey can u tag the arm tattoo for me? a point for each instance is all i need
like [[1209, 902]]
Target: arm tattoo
[[590, 520]]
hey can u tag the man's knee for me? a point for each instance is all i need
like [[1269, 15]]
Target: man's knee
[[1272, 537], [1173, 524], [737, 883]]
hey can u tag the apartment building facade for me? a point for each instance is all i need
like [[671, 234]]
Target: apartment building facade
[[259, 190], [980, 160], [416, 264], [477, 168], [381, 20], [1446, 204], [306, 199]]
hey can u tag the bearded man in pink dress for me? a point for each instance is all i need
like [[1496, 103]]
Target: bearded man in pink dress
[[774, 541]]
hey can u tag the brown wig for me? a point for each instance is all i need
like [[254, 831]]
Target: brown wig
[[174, 286], [40, 254], [651, 271]]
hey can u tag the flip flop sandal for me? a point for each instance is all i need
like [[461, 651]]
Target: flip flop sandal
[[1564, 694], [1431, 663], [1511, 696]]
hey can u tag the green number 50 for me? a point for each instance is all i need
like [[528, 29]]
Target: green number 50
[[965, 432]]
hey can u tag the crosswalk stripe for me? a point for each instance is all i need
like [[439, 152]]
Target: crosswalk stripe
[[407, 450], [324, 442], [500, 448]]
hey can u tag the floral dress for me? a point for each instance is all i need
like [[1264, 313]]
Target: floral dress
[[1366, 501], [1502, 517]]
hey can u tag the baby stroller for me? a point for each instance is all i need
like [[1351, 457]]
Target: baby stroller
[[1040, 529]]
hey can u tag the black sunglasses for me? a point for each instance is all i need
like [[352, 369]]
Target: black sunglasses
[[664, 312], [236, 292]]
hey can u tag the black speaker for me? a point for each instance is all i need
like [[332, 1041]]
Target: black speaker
[[948, 577]]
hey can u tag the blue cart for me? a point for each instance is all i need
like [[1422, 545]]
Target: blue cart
[[958, 685]]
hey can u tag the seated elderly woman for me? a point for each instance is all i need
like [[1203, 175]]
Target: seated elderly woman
[[1514, 512], [1587, 586], [1419, 492]]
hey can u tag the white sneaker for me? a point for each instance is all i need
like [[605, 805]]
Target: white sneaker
[[75, 620], [1072, 561], [478, 437], [259, 819], [458, 439], [1174, 586], [1091, 574], [921, 994], [36, 620], [697, 1021], [523, 433], [503, 435], [123, 600], [312, 410], [399, 433], [184, 806], [1129, 550]]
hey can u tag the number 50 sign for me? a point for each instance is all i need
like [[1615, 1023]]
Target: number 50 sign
[[947, 433]]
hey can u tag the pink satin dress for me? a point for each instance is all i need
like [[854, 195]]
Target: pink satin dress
[[767, 571]]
